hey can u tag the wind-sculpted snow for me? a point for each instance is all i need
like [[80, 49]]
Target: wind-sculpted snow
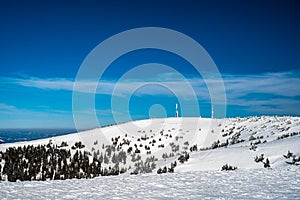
[[279, 183]]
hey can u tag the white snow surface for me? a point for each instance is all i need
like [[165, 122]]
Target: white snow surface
[[198, 178], [279, 183]]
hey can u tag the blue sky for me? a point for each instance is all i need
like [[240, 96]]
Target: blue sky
[[255, 45]]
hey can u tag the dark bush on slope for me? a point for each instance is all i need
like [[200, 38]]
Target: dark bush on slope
[[227, 167]]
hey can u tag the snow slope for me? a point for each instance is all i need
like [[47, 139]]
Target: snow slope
[[233, 141], [183, 133], [278, 183]]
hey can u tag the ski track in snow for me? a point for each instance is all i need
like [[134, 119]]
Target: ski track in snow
[[279, 183]]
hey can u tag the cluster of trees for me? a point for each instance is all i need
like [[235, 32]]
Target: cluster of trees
[[185, 146], [229, 131], [254, 138], [253, 147], [119, 157], [166, 155], [114, 154], [52, 162], [267, 163], [144, 167], [174, 147], [218, 144], [227, 167], [184, 157], [46, 162], [178, 137], [235, 139], [293, 159], [165, 169], [286, 135], [261, 159], [194, 148]]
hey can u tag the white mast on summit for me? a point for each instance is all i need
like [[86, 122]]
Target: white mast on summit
[[212, 111], [176, 110]]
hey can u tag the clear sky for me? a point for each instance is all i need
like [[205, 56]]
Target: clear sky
[[255, 45]]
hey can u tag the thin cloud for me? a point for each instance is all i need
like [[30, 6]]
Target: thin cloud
[[283, 84], [4, 106], [282, 88]]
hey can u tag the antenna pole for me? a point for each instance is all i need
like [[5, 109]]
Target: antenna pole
[[212, 111]]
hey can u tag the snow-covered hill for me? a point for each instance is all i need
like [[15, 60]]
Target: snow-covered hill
[[203, 144]]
